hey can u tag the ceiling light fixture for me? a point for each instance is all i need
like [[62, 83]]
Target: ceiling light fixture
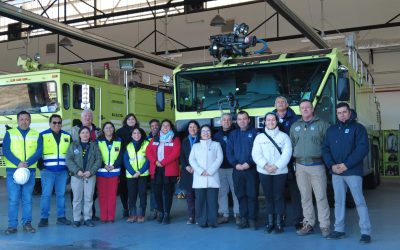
[[217, 21]]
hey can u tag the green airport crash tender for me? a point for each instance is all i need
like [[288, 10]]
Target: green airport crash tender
[[48, 89]]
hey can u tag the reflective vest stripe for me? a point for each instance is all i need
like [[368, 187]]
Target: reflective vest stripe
[[116, 170], [52, 164], [139, 157], [53, 157]]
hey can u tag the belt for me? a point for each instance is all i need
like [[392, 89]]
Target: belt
[[310, 160]]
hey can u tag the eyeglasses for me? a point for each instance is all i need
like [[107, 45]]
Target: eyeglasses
[[57, 123], [206, 131]]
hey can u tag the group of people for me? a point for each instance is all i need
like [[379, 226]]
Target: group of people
[[289, 151]]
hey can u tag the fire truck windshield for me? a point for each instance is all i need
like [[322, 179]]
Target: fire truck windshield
[[38, 97], [253, 86]]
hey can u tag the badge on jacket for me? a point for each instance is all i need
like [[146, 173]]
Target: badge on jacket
[[346, 131], [76, 151], [116, 149], [66, 140]]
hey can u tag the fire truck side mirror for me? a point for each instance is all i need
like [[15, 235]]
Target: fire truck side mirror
[[160, 101], [343, 84], [343, 89]]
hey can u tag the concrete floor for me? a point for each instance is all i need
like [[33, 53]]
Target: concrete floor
[[384, 207]]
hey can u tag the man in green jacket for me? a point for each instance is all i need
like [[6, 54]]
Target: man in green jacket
[[307, 135]]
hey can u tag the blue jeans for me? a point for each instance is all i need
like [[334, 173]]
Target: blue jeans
[[17, 193], [340, 184], [50, 180], [153, 203]]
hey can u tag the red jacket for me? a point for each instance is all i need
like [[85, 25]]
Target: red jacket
[[171, 157]]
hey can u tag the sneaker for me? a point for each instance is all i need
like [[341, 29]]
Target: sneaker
[[365, 239], [132, 219], [335, 235], [181, 195], [63, 221], [140, 219], [28, 228], [10, 230], [237, 219], [190, 221], [76, 224], [43, 223], [306, 229], [325, 231], [88, 223], [222, 220]]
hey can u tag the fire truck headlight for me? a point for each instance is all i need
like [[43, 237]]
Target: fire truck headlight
[[166, 79]]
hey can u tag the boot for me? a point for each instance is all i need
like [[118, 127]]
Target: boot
[[243, 223], [270, 223], [283, 221], [166, 219], [279, 225], [160, 217]]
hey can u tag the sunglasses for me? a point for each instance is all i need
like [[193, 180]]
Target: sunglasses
[[57, 123]]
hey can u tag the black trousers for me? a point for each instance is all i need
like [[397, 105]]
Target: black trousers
[[246, 185], [274, 188], [164, 187], [137, 187], [206, 206], [123, 189]]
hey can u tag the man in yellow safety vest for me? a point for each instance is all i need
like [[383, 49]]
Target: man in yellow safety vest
[[22, 147]]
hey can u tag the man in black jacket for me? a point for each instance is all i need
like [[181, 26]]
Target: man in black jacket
[[344, 149], [238, 151]]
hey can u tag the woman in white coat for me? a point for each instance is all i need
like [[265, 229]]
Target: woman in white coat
[[205, 158], [272, 163]]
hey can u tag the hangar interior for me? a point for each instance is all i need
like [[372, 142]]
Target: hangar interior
[[162, 34]]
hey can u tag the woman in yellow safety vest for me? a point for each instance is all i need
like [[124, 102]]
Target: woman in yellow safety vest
[[137, 172], [107, 175]]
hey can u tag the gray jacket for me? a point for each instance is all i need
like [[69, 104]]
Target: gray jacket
[[74, 158], [307, 139]]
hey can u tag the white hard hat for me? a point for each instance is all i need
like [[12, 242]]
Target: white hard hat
[[21, 176]]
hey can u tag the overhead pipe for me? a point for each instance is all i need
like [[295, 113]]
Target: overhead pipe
[[298, 23]]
